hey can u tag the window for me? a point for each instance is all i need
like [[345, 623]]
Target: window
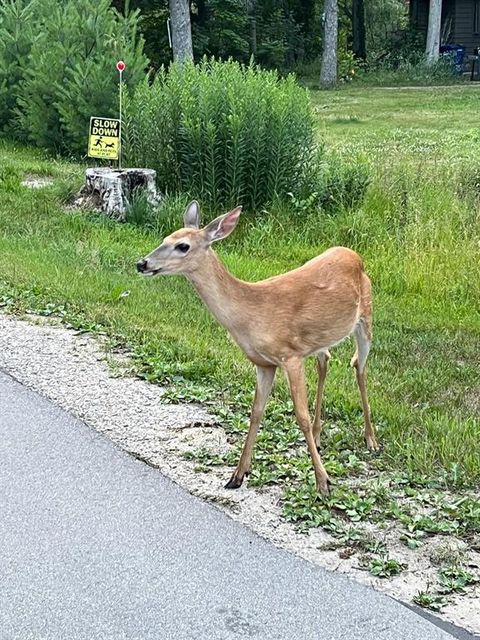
[[476, 16]]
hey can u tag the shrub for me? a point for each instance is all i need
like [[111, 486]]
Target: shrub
[[337, 183], [342, 182], [222, 132], [412, 72], [69, 71]]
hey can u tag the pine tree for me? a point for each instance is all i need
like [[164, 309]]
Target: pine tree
[[70, 72], [18, 20]]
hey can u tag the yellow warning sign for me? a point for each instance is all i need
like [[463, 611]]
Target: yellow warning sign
[[104, 138]]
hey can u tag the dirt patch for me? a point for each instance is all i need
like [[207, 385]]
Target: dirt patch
[[472, 400], [33, 181], [76, 372]]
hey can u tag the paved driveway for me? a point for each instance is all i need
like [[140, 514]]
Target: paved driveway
[[96, 545]]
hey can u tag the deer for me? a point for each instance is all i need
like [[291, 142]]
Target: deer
[[278, 322]]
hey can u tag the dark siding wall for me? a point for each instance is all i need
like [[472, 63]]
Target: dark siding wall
[[419, 10], [464, 25], [448, 20], [460, 16], [419, 14]]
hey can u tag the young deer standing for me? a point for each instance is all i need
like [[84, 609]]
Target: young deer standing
[[278, 322]]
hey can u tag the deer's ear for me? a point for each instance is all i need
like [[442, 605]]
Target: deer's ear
[[223, 226], [191, 217]]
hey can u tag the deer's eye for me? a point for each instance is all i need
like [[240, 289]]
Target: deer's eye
[[182, 247]]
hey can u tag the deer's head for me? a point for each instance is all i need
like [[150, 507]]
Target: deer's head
[[184, 250]]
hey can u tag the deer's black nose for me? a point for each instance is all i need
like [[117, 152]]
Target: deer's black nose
[[141, 266]]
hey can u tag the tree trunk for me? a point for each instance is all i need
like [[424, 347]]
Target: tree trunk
[[112, 190], [181, 30], [253, 33], [358, 29], [433, 33], [328, 73]]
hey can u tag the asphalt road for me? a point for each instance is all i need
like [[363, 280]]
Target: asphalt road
[[96, 545]]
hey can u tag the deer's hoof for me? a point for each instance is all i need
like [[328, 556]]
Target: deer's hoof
[[323, 488], [372, 445], [234, 483]]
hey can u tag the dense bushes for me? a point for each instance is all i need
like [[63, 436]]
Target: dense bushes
[[222, 132], [57, 68], [414, 70]]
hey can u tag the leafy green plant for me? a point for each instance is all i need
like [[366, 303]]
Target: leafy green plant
[[429, 600], [452, 578], [455, 579], [226, 133], [349, 66], [304, 205], [430, 525], [302, 506], [413, 539], [139, 211], [385, 567], [9, 178], [357, 508], [341, 182]]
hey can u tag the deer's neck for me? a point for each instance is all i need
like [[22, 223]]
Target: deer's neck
[[225, 296]]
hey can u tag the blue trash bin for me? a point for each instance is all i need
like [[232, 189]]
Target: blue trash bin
[[457, 53]]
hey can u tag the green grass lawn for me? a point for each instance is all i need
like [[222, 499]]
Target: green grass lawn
[[413, 122], [418, 231]]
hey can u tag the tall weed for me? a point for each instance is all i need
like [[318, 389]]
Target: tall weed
[[223, 132]]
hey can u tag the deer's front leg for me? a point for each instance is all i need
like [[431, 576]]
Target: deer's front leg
[[265, 377], [295, 372]]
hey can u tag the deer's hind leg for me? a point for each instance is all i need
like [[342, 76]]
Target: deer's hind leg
[[322, 358], [363, 337], [295, 373]]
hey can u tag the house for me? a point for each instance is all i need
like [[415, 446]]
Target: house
[[460, 21]]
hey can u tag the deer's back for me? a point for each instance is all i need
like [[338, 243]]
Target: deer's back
[[308, 309], [336, 272]]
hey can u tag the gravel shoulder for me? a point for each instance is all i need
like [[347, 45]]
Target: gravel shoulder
[[77, 373]]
